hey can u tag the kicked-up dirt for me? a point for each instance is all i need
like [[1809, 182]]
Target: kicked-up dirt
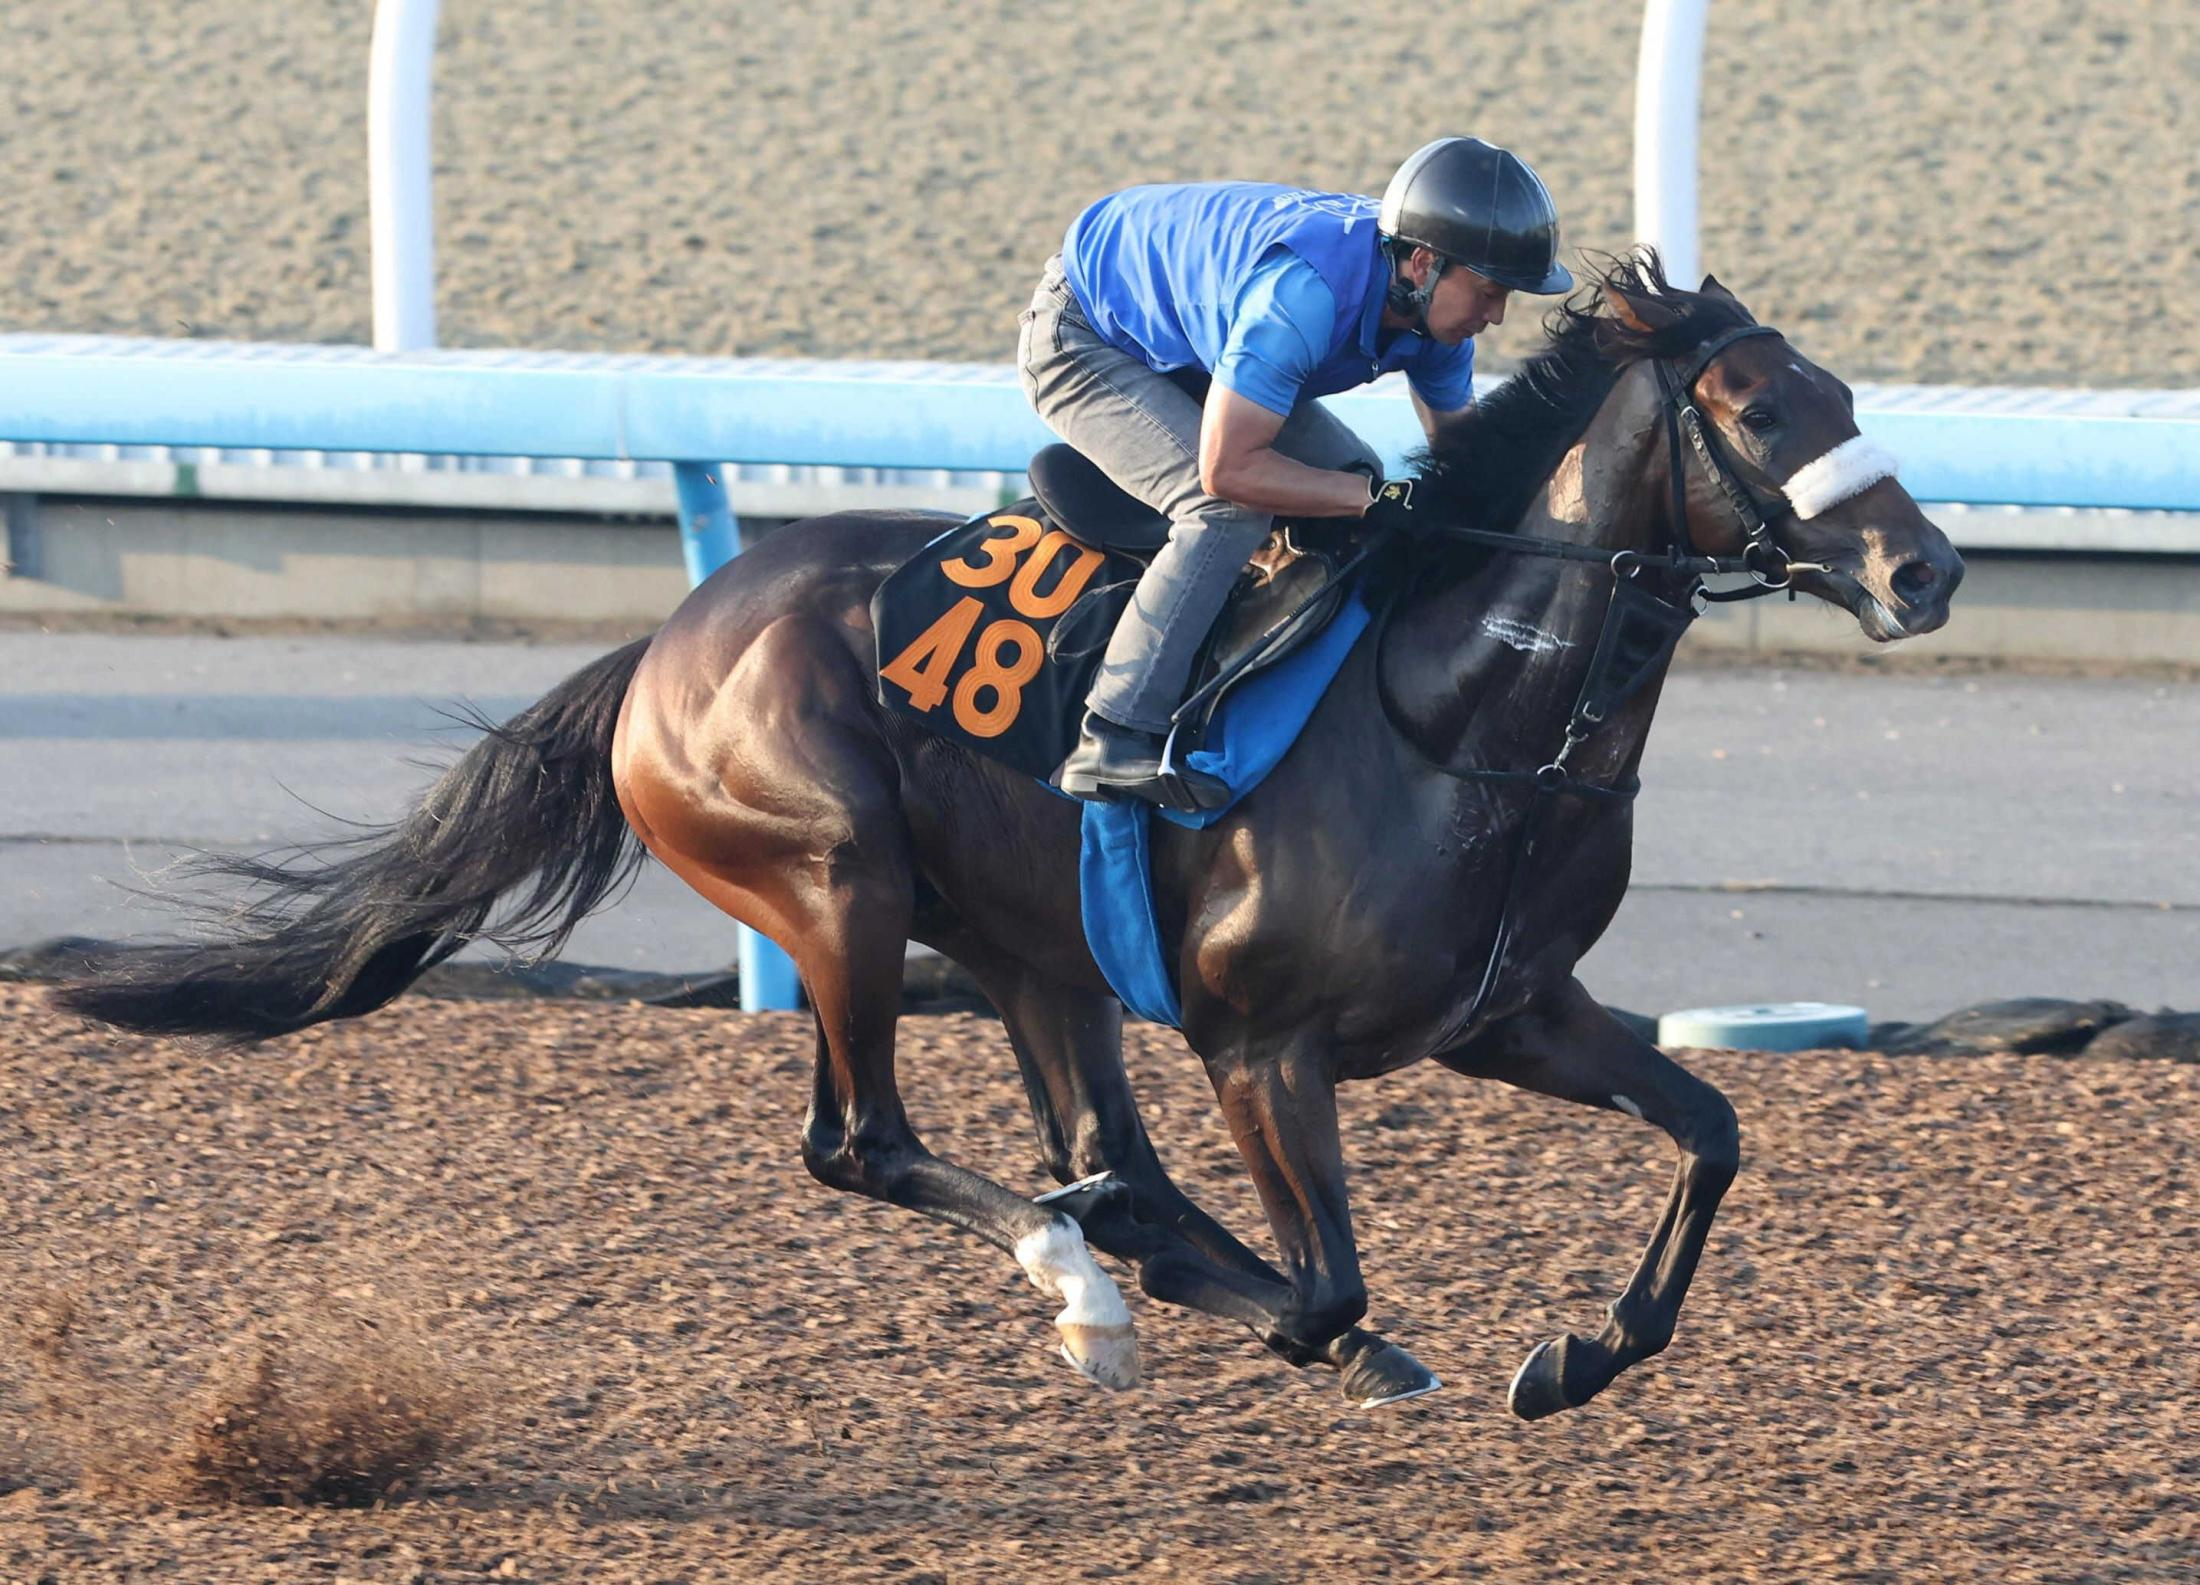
[[553, 1279]]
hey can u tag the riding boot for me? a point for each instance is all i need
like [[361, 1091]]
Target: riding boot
[[1113, 762]]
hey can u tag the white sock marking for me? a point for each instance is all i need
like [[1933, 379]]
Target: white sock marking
[[1058, 1264], [1849, 469]]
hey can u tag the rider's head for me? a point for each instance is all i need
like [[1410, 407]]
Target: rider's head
[[1464, 224]]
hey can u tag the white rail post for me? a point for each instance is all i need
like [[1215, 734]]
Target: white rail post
[[400, 186], [1668, 99]]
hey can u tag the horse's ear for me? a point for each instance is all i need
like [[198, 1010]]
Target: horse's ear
[[1638, 311], [1712, 288]]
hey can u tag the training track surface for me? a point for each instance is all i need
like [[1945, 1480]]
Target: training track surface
[[1944, 1329]]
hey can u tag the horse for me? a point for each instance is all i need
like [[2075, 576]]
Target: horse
[[1416, 880]]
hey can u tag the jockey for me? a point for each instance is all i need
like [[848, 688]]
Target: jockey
[[1179, 339]]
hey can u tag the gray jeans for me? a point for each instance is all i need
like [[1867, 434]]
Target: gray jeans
[[1143, 431]]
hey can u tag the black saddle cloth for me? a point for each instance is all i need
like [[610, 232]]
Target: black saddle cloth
[[990, 635]]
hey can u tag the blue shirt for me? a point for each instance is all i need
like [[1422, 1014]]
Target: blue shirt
[[1274, 342], [1278, 291]]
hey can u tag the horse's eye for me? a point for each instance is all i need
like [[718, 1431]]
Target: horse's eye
[[1760, 420]]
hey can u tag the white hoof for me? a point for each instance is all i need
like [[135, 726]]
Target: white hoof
[[1098, 1339], [1106, 1354]]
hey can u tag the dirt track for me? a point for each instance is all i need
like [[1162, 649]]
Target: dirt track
[[1939, 190], [1945, 1329]]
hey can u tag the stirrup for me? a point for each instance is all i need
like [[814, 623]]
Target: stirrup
[[1188, 790], [1169, 783]]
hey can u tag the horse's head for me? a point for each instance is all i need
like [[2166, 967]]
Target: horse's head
[[1785, 431]]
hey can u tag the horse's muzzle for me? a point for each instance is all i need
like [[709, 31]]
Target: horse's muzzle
[[1916, 597], [1906, 602]]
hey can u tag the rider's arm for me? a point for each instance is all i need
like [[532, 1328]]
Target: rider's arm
[[1281, 323], [1238, 462]]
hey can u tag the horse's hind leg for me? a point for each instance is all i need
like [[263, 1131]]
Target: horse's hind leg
[[857, 1136], [1576, 1051], [802, 837], [1069, 1048]]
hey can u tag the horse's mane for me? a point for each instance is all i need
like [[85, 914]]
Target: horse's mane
[[1489, 466]]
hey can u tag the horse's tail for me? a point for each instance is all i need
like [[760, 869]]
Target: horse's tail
[[338, 929]]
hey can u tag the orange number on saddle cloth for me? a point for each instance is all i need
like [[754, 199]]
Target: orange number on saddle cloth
[[1000, 553], [1024, 593], [922, 668], [1007, 682]]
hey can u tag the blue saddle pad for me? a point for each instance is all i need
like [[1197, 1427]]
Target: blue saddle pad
[[1254, 727]]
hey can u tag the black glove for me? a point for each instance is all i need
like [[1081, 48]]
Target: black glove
[[1390, 509]]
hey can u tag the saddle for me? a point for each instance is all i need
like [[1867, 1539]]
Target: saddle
[[990, 634]]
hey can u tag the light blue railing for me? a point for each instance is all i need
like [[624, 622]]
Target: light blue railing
[[1993, 446]]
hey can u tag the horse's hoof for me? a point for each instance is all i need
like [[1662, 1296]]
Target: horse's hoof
[[1105, 1354], [1539, 1387], [1097, 1336], [1387, 1375]]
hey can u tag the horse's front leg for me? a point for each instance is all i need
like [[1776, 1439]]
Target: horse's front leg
[[1571, 1048], [1282, 1111]]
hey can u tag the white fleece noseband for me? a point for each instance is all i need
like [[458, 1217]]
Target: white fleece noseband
[[1849, 469]]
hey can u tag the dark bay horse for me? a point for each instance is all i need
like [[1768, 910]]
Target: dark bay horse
[[1374, 903]]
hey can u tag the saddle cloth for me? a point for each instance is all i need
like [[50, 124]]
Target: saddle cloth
[[991, 633]]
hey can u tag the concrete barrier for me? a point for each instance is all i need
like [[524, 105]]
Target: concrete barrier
[[210, 559]]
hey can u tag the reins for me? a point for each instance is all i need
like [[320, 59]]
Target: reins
[[1763, 561]]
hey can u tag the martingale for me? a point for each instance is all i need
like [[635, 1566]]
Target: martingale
[[964, 628]]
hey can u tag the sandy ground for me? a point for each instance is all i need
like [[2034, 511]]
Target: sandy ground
[[1938, 191], [1944, 1329]]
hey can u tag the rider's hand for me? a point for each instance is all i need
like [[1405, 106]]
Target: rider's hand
[[1390, 507]]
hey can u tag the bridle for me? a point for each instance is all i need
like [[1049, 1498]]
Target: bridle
[[1769, 566]]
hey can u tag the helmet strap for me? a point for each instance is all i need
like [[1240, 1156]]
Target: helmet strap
[[1414, 300]]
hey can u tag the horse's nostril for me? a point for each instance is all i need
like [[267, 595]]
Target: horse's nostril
[[1914, 580]]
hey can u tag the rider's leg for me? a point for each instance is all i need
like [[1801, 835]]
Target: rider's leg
[[1143, 432], [1142, 429]]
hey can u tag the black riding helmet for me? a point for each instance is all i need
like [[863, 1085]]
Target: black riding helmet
[[1472, 203]]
